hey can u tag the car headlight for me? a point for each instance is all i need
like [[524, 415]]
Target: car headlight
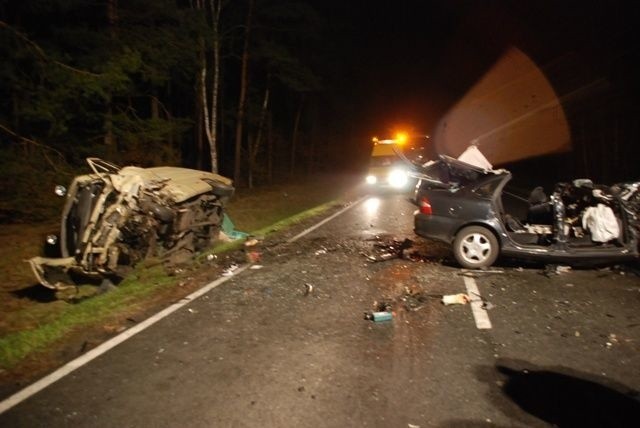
[[60, 190], [371, 179], [398, 178]]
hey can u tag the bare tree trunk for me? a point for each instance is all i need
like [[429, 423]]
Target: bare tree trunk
[[255, 146], [199, 127], [269, 150], [244, 81], [294, 137], [210, 113], [216, 8]]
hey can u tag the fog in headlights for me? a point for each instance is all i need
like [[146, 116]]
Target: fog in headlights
[[398, 178]]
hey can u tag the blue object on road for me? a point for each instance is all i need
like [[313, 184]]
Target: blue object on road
[[382, 316]]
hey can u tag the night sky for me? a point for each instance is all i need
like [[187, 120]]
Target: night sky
[[404, 63]]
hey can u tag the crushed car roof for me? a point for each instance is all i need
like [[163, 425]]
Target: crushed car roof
[[183, 183]]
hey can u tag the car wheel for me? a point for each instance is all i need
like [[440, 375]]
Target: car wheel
[[475, 247]]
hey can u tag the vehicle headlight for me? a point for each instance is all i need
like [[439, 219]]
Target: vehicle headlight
[[371, 179], [60, 190], [398, 178]]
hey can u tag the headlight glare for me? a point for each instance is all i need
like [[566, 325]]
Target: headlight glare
[[398, 178]]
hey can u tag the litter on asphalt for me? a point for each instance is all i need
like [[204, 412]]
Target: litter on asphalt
[[378, 316], [455, 299], [556, 270]]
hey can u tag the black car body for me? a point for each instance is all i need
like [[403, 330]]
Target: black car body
[[464, 205]]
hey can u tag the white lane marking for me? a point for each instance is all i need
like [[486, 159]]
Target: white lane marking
[[41, 384], [314, 227], [479, 314]]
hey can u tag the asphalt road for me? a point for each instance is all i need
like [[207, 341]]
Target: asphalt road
[[259, 351]]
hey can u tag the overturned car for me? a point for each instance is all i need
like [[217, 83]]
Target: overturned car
[[467, 205], [116, 217]]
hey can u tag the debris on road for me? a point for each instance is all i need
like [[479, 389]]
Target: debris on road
[[378, 316], [612, 340], [382, 312], [230, 269], [389, 249], [555, 270], [253, 256], [455, 299], [416, 301], [308, 289], [486, 305]]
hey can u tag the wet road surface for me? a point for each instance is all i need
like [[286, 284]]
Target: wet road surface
[[262, 351]]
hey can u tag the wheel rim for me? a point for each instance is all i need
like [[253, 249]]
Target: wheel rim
[[475, 248]]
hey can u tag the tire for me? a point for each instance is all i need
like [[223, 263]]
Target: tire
[[475, 247]]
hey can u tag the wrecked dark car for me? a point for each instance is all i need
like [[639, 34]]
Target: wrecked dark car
[[467, 206], [117, 217]]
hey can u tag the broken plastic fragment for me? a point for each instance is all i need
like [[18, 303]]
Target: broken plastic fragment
[[455, 299], [308, 289]]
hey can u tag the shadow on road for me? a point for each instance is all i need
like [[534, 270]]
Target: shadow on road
[[566, 398]]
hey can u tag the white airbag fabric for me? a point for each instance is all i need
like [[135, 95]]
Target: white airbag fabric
[[601, 223]]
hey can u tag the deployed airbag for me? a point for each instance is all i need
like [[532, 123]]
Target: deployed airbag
[[601, 222]]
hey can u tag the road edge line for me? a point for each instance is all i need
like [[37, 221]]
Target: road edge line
[[326, 220]]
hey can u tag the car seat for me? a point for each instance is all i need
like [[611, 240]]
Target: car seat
[[540, 209]]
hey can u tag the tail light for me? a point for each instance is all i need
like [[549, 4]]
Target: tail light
[[425, 206]]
